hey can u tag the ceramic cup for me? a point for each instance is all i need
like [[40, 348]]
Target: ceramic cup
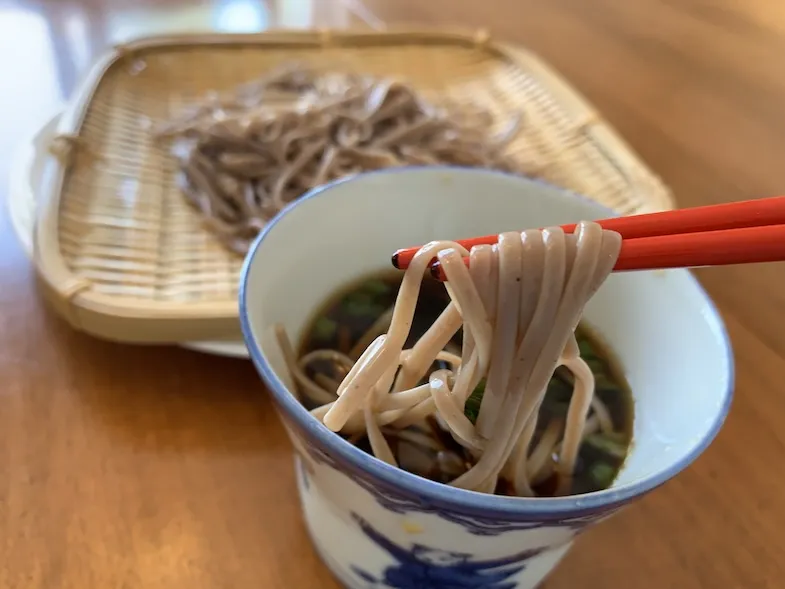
[[377, 526]]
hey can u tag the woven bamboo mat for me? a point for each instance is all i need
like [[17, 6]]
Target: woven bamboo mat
[[124, 257]]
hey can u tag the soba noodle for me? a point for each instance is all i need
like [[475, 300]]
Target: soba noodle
[[245, 156], [519, 303]]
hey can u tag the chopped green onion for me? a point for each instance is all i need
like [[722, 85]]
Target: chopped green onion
[[602, 474], [586, 348], [376, 287], [472, 407], [361, 308], [596, 365], [610, 444], [358, 297], [324, 328]]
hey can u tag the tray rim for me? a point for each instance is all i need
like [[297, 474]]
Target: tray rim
[[22, 201], [70, 295]]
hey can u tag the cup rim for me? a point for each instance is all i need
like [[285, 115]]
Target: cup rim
[[515, 508]]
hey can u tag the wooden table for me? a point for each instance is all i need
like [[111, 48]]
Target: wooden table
[[141, 467]]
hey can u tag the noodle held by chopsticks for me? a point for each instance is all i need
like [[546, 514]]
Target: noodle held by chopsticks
[[520, 302], [244, 157]]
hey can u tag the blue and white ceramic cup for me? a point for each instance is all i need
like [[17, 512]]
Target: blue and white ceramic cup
[[377, 526]]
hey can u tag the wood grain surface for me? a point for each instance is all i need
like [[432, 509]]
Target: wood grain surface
[[158, 468]]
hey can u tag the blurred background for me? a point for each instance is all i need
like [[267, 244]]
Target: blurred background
[[127, 466], [669, 75]]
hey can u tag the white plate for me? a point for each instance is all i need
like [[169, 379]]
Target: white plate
[[27, 165], [231, 349]]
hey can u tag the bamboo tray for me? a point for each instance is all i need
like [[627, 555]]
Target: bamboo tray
[[122, 256]]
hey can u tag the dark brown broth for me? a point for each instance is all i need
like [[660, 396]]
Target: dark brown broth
[[346, 316]]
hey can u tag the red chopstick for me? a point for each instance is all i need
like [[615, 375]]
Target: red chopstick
[[747, 245], [736, 215]]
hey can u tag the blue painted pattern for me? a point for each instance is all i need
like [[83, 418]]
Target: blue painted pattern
[[479, 526], [421, 567]]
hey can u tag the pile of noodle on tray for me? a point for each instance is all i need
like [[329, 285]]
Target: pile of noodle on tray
[[243, 157]]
